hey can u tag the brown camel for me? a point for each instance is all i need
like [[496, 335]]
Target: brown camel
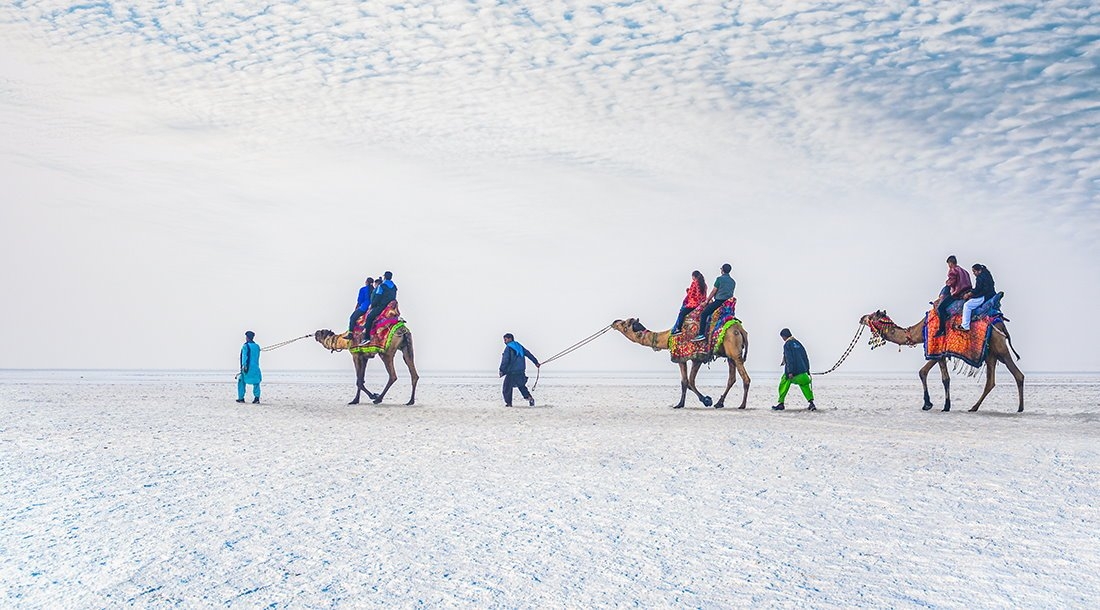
[[400, 342], [1000, 350], [735, 349]]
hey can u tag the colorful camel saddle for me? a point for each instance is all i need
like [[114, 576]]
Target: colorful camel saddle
[[970, 347], [684, 349], [384, 328]]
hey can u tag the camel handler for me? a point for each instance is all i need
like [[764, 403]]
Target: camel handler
[[250, 368], [513, 368], [796, 370]]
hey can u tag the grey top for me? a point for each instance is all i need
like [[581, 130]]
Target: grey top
[[725, 285]]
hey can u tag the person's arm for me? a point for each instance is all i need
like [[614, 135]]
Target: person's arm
[[532, 358], [245, 358], [504, 361]]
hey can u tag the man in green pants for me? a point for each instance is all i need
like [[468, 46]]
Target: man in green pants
[[796, 370]]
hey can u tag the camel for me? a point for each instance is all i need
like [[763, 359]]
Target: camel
[[1000, 350], [735, 349], [400, 342]]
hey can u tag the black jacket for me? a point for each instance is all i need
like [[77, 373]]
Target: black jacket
[[984, 287], [795, 360], [381, 298], [511, 363]]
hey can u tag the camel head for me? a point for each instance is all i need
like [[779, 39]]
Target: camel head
[[629, 327], [330, 339], [876, 320]]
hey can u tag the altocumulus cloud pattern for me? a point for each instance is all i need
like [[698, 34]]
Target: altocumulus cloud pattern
[[1001, 94]]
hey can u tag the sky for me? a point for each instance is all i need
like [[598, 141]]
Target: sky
[[175, 173]]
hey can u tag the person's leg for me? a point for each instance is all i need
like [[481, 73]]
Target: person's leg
[[805, 384], [256, 391], [372, 315], [784, 387], [684, 311], [240, 388], [968, 310], [704, 319], [521, 383], [941, 310], [506, 390], [354, 318]]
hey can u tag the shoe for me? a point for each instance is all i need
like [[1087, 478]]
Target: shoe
[[507, 405], [677, 333], [255, 401], [778, 407], [240, 400], [531, 401], [811, 407], [960, 328], [699, 338], [364, 341]]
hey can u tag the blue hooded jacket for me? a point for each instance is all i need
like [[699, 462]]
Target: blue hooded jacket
[[514, 359]]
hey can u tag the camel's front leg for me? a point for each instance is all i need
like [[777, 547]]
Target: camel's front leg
[[729, 383], [990, 380], [1019, 376], [360, 374], [683, 386], [387, 359], [945, 375], [695, 366], [924, 383], [407, 355]]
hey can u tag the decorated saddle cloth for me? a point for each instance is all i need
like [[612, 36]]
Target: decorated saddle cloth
[[385, 325], [970, 347], [684, 349]]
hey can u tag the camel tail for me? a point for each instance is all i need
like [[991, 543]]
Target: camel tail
[[1008, 338]]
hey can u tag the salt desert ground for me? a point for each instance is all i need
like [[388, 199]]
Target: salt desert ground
[[155, 489]]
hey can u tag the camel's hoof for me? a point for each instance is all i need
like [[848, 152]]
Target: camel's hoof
[[377, 401], [354, 402], [972, 409], [706, 401], [946, 409], [677, 406], [372, 396], [1020, 410], [927, 407], [741, 407], [719, 404], [410, 403]]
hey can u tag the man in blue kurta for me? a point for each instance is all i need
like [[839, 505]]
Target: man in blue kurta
[[250, 368]]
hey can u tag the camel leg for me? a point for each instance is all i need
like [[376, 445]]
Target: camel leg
[[924, 382], [990, 380], [695, 366], [745, 381], [946, 376], [1018, 375], [729, 383], [387, 359], [683, 386], [360, 374], [407, 355]]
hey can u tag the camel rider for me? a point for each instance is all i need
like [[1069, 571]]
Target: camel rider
[[796, 370], [362, 303], [958, 282], [696, 291], [722, 291], [250, 368], [385, 292], [982, 292], [513, 368]]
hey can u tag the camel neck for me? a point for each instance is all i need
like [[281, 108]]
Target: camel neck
[[914, 335], [655, 340]]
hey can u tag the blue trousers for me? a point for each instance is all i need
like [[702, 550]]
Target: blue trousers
[[515, 380], [240, 388]]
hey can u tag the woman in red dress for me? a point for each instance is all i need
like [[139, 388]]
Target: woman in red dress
[[696, 294]]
